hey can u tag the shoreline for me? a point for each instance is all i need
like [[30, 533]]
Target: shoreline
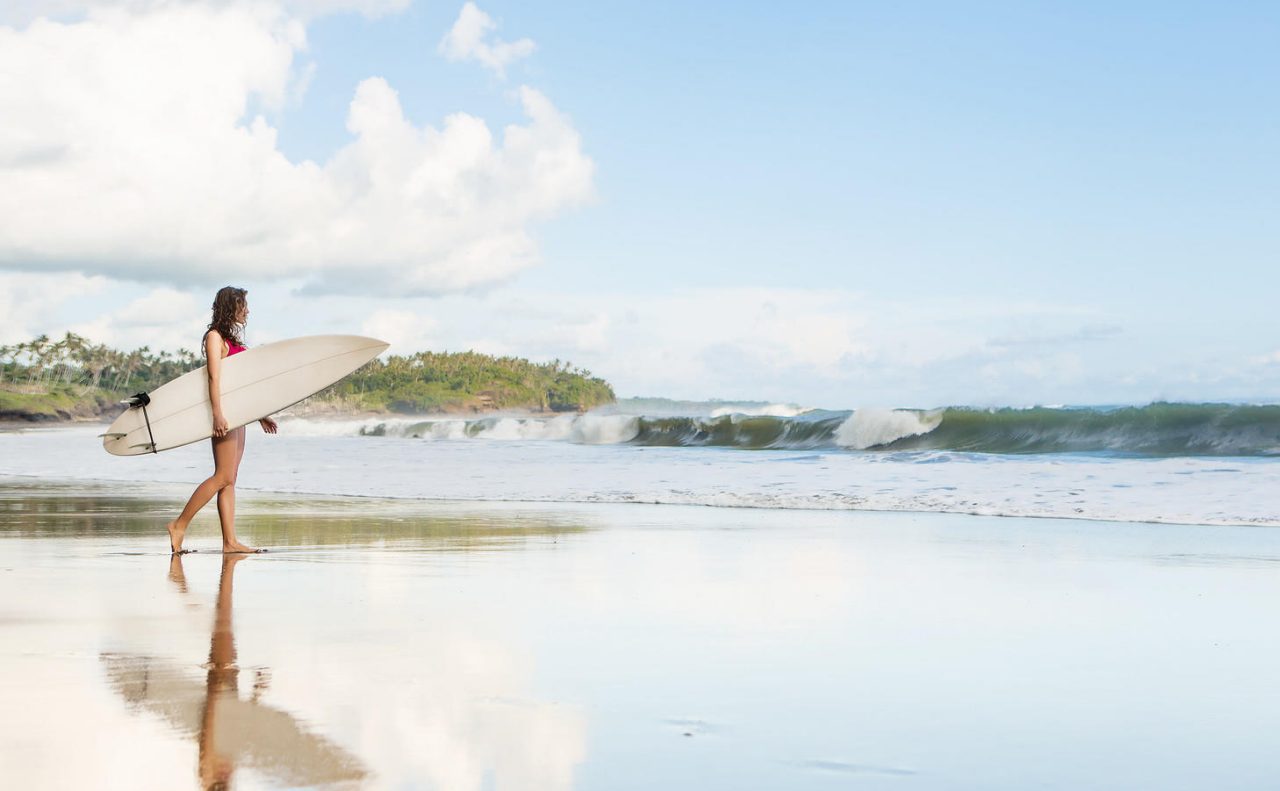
[[271, 495]]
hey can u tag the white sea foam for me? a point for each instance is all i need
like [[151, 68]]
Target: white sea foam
[[583, 429], [770, 410], [867, 428], [605, 429], [556, 428], [444, 429], [326, 427]]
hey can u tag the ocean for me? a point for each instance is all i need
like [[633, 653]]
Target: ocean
[[1176, 463]]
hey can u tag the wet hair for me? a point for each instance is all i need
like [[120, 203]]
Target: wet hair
[[226, 307]]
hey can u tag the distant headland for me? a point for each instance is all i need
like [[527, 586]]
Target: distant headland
[[71, 378]]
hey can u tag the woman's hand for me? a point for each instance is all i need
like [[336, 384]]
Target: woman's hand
[[220, 425], [268, 425]]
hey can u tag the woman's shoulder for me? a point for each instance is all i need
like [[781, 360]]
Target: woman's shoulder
[[214, 339]]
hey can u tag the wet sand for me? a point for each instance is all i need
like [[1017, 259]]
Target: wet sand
[[394, 644]]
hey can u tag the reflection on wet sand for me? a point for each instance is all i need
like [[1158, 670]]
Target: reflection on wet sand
[[230, 731], [44, 510], [457, 648]]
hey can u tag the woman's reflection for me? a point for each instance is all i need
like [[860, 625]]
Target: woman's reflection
[[223, 683], [231, 732]]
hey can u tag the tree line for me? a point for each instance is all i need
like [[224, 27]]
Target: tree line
[[43, 363], [427, 381], [419, 382]]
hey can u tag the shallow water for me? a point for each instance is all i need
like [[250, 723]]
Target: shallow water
[[1172, 490], [394, 644]]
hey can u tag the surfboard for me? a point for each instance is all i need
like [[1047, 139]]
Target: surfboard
[[255, 383]]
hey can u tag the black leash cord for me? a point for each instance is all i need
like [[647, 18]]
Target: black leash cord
[[150, 436], [141, 400]]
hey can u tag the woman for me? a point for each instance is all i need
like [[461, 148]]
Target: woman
[[221, 340]]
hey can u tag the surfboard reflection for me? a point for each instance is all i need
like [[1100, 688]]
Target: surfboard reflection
[[231, 731]]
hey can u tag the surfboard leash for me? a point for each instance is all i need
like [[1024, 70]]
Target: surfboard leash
[[141, 400]]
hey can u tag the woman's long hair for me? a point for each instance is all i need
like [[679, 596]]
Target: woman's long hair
[[226, 306]]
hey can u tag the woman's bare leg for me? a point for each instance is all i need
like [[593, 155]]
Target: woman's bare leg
[[227, 502], [225, 459], [227, 516]]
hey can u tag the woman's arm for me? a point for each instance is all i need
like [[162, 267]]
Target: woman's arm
[[213, 353]]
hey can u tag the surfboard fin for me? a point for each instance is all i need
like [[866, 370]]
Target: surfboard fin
[[114, 434], [146, 446]]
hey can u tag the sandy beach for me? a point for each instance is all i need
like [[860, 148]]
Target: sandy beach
[[394, 644], [638, 396]]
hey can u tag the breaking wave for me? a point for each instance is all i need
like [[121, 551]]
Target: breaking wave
[[1160, 429]]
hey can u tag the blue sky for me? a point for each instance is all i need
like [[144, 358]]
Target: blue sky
[[856, 139], [1084, 192], [1116, 156]]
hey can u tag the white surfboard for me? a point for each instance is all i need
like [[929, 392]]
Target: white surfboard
[[255, 383]]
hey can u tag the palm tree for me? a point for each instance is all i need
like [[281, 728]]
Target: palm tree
[[53, 354], [18, 350], [125, 364], [111, 363], [37, 348], [73, 348], [96, 360]]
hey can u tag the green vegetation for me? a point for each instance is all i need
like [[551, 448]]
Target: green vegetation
[[44, 379], [60, 403], [430, 382]]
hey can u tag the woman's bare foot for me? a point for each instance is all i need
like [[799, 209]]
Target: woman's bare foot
[[176, 534], [237, 547]]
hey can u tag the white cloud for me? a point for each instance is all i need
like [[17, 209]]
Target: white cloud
[[469, 39], [570, 333], [407, 331], [487, 345], [21, 12], [683, 342], [129, 148], [163, 318], [818, 347], [30, 302], [369, 8]]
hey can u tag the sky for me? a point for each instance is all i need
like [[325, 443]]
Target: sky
[[846, 204]]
